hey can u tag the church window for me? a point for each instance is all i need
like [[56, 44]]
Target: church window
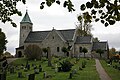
[[23, 35], [58, 49], [30, 28], [23, 27], [80, 49], [53, 37]]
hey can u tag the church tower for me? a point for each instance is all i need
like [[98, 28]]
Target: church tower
[[25, 28]]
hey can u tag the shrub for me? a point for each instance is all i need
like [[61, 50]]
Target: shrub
[[66, 65], [33, 52]]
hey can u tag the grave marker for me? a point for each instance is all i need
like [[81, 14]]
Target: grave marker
[[31, 77]]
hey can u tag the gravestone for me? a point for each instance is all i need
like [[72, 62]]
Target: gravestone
[[36, 71], [74, 71], [34, 67], [70, 76], [40, 69], [59, 69], [12, 70], [44, 75], [25, 69], [2, 76], [56, 69], [31, 77], [80, 68], [22, 66], [20, 75], [40, 66], [28, 66]]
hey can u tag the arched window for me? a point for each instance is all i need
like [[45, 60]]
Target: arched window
[[19, 54], [80, 49], [23, 27], [58, 49]]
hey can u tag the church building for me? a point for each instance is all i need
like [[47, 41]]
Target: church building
[[56, 39]]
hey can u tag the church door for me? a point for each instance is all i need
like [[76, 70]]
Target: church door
[[19, 54]]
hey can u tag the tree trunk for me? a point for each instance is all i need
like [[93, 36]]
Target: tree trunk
[[84, 55], [100, 55]]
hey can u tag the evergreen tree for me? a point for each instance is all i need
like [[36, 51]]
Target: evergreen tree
[[84, 50], [3, 42]]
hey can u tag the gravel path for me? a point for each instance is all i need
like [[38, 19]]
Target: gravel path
[[103, 75], [9, 60]]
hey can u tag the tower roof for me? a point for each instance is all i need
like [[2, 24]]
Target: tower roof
[[26, 18]]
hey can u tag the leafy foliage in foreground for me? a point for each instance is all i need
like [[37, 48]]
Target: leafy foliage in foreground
[[108, 10]]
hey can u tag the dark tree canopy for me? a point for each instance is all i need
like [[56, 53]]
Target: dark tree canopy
[[84, 50], [3, 42], [7, 9], [108, 10], [100, 52]]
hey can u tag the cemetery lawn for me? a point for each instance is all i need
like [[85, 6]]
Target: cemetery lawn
[[88, 73], [112, 72]]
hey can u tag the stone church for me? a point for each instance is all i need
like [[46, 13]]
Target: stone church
[[56, 39]]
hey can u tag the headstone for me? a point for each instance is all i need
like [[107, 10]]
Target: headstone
[[59, 69], [31, 77], [36, 71], [12, 70], [25, 69], [44, 75], [28, 66], [80, 68], [119, 68], [40, 69], [34, 67], [2, 76], [22, 66], [19, 74], [70, 76], [40, 66], [56, 69], [74, 71]]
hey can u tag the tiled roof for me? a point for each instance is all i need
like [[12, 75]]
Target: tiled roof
[[36, 36], [67, 34], [83, 40], [26, 18], [100, 45], [39, 36]]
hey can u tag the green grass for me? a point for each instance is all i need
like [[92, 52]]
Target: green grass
[[112, 72], [88, 73]]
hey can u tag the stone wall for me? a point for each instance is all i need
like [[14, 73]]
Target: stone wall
[[54, 41], [77, 50]]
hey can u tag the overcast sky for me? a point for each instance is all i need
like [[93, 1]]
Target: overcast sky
[[58, 17]]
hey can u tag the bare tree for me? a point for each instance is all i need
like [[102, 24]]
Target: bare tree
[[84, 27]]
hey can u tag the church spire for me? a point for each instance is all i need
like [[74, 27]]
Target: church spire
[[26, 18]]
